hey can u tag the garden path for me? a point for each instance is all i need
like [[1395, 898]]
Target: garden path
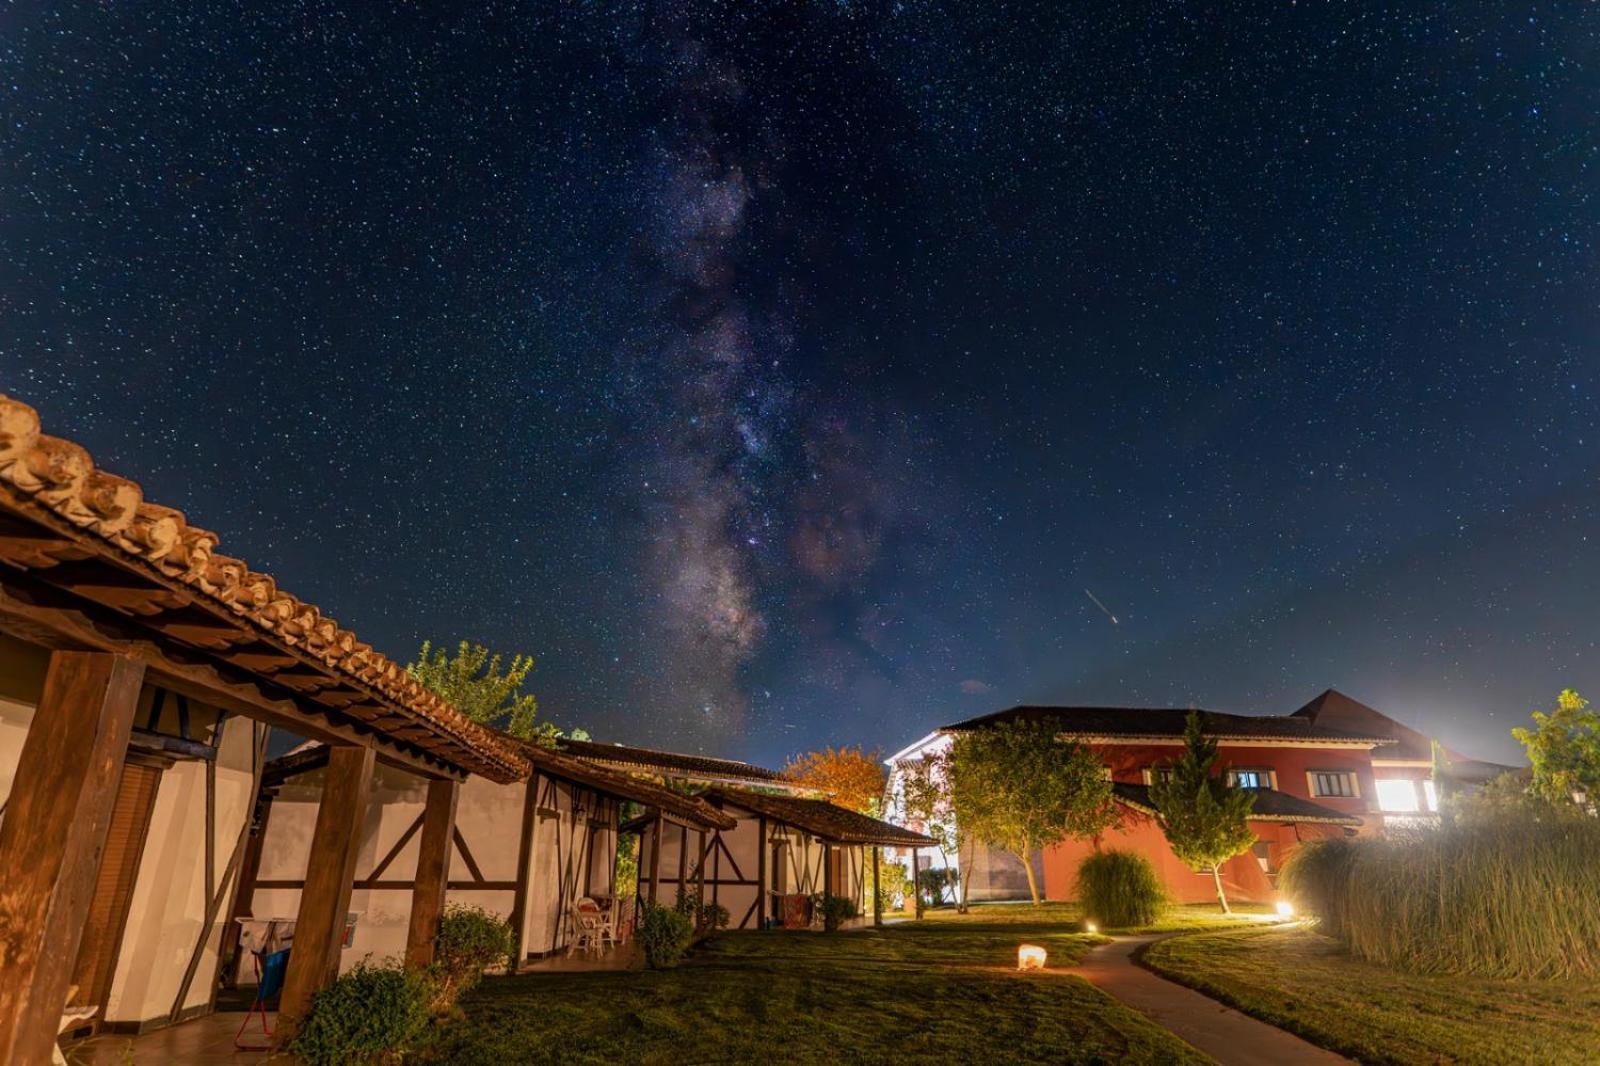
[[1230, 1037]]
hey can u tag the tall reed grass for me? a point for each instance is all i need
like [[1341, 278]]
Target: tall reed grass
[[1119, 889], [1514, 894]]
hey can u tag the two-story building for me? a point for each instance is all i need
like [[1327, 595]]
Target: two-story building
[[1336, 766]]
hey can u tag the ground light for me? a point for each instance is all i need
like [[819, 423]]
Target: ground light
[[1285, 909], [1030, 957], [1090, 927]]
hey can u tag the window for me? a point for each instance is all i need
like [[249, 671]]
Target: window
[[1332, 783], [1397, 795], [1431, 794], [1250, 778], [1152, 774]]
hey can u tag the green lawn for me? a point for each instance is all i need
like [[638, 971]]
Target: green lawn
[[1180, 917], [1306, 983], [945, 990]]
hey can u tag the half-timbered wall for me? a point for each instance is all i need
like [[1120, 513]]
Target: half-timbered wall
[[738, 863], [167, 956], [572, 849]]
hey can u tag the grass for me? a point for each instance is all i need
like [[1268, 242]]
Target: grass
[[1174, 918], [939, 991], [1306, 983], [1510, 890]]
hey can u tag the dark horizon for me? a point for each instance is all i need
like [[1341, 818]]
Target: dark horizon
[[788, 375]]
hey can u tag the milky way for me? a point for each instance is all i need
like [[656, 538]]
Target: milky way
[[782, 374]]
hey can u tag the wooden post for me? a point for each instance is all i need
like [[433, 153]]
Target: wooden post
[[325, 894], [916, 880], [655, 858], [764, 904], [700, 875], [52, 837], [243, 900], [827, 869], [519, 905], [683, 858], [433, 870], [877, 898]]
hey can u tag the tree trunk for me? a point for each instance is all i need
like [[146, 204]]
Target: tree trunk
[[1216, 875], [1033, 883]]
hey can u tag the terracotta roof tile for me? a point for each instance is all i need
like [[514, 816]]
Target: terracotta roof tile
[[1271, 806], [822, 818], [667, 760], [59, 477], [1168, 722]]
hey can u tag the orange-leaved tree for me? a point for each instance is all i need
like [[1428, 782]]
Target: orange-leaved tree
[[852, 777]]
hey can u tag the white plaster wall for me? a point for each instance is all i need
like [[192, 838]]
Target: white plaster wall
[[167, 910], [22, 668]]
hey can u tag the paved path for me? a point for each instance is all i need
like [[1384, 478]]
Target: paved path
[[1230, 1037]]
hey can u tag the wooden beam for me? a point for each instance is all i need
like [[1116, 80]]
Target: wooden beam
[[877, 898], [700, 871], [519, 905], [655, 858], [52, 837], [330, 871], [245, 897], [761, 873], [433, 868], [916, 882], [683, 859]]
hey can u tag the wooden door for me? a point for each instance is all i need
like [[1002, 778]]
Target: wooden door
[[113, 889]]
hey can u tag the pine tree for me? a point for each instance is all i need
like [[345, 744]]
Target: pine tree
[[1205, 818]]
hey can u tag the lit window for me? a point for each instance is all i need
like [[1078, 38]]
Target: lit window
[[1332, 783], [1152, 774], [1431, 794], [1397, 795], [1250, 778]]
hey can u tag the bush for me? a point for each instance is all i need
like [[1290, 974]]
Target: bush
[[939, 884], [835, 910], [704, 916], [1512, 893], [365, 1015], [1120, 889], [664, 935], [471, 940]]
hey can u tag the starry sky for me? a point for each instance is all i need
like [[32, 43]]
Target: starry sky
[[783, 374]]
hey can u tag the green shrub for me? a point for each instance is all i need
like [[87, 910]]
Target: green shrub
[[365, 1015], [664, 935], [836, 910], [1513, 893], [704, 916], [1119, 889], [471, 940]]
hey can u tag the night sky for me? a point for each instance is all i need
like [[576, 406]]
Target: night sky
[[789, 374]]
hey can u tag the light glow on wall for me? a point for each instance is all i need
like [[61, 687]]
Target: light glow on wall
[[1397, 795]]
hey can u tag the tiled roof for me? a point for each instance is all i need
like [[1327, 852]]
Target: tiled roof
[[692, 809], [1149, 723], [647, 758], [53, 480], [821, 818], [1333, 709], [1271, 806]]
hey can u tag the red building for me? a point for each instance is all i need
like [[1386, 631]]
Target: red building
[[1336, 766]]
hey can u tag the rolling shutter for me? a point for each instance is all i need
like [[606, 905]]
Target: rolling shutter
[[113, 889]]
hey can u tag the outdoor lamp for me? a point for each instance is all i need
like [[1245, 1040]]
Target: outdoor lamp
[[1285, 909], [1030, 957]]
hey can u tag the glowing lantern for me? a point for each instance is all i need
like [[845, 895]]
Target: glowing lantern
[[1285, 909], [1090, 927], [1030, 957]]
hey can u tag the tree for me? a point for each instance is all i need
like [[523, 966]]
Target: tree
[[852, 777], [1564, 748], [1205, 818], [1019, 788], [473, 682], [925, 795]]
